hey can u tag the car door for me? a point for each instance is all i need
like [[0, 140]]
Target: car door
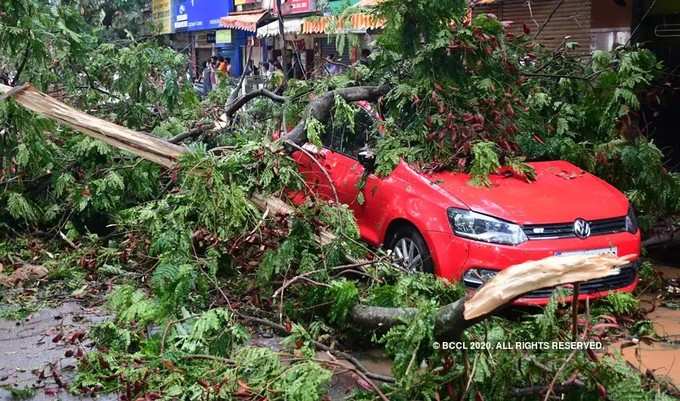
[[355, 188], [317, 168], [334, 170]]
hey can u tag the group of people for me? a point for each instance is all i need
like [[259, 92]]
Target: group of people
[[218, 68], [214, 69]]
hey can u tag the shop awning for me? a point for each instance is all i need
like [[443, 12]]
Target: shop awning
[[293, 25], [359, 22], [244, 21]]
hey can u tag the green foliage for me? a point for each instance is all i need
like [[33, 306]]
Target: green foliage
[[23, 393], [346, 295], [132, 305], [111, 337], [411, 24], [411, 290], [619, 303], [305, 381], [314, 131], [461, 99], [213, 333], [484, 162], [408, 345]]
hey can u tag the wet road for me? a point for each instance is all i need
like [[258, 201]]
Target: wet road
[[662, 359], [32, 351]]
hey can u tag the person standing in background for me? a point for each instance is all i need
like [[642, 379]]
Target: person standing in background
[[207, 77], [331, 67], [222, 65], [213, 71], [365, 56]]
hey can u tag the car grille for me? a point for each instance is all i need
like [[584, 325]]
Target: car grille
[[625, 278], [566, 230]]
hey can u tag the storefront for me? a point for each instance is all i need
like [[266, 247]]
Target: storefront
[[202, 20], [245, 25]]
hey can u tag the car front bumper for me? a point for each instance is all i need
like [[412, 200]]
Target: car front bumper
[[625, 281], [454, 255]]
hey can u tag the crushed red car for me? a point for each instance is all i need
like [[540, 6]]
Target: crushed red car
[[439, 223]]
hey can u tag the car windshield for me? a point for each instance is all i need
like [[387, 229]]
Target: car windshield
[[343, 138]]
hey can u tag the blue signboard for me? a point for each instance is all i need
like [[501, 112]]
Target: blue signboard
[[199, 15]]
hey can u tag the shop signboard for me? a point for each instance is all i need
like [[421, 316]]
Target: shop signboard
[[162, 16], [200, 15], [223, 36], [289, 7]]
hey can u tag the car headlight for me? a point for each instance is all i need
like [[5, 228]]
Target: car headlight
[[469, 224], [631, 221]]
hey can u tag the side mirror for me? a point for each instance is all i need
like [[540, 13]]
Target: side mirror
[[367, 159]]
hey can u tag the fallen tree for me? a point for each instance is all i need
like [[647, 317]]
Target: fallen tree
[[451, 319], [203, 244]]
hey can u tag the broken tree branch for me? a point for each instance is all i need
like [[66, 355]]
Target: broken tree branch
[[320, 108], [236, 90], [141, 144], [22, 64], [550, 17], [506, 286], [241, 101], [451, 320], [196, 131]]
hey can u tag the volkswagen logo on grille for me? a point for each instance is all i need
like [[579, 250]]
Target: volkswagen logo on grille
[[581, 228]]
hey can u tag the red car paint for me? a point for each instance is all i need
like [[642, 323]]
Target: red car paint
[[560, 194]]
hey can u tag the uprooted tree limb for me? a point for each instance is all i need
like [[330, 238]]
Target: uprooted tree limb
[[451, 319], [509, 284], [319, 108], [239, 102]]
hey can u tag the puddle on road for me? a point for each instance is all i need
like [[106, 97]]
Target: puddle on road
[[661, 358]]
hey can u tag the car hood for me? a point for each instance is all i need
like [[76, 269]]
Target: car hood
[[561, 193]]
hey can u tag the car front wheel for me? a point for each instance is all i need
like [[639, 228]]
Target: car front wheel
[[410, 251]]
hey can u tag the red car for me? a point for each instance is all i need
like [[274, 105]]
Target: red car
[[441, 224]]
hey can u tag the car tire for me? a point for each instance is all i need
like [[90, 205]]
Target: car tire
[[406, 239]]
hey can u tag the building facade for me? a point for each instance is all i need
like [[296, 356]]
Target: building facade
[[242, 30]]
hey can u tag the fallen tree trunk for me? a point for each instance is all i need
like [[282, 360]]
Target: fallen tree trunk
[[451, 319], [320, 108], [143, 145], [506, 286]]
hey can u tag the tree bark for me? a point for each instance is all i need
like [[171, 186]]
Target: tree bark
[[321, 107], [237, 104], [509, 284]]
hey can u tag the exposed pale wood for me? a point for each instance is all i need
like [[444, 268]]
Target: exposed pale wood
[[549, 272], [143, 145], [508, 285]]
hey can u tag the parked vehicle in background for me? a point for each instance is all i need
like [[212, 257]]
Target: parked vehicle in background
[[439, 223]]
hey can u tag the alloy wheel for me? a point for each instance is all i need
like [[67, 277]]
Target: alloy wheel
[[407, 255]]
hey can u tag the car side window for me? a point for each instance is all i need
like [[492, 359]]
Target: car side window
[[342, 139]]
